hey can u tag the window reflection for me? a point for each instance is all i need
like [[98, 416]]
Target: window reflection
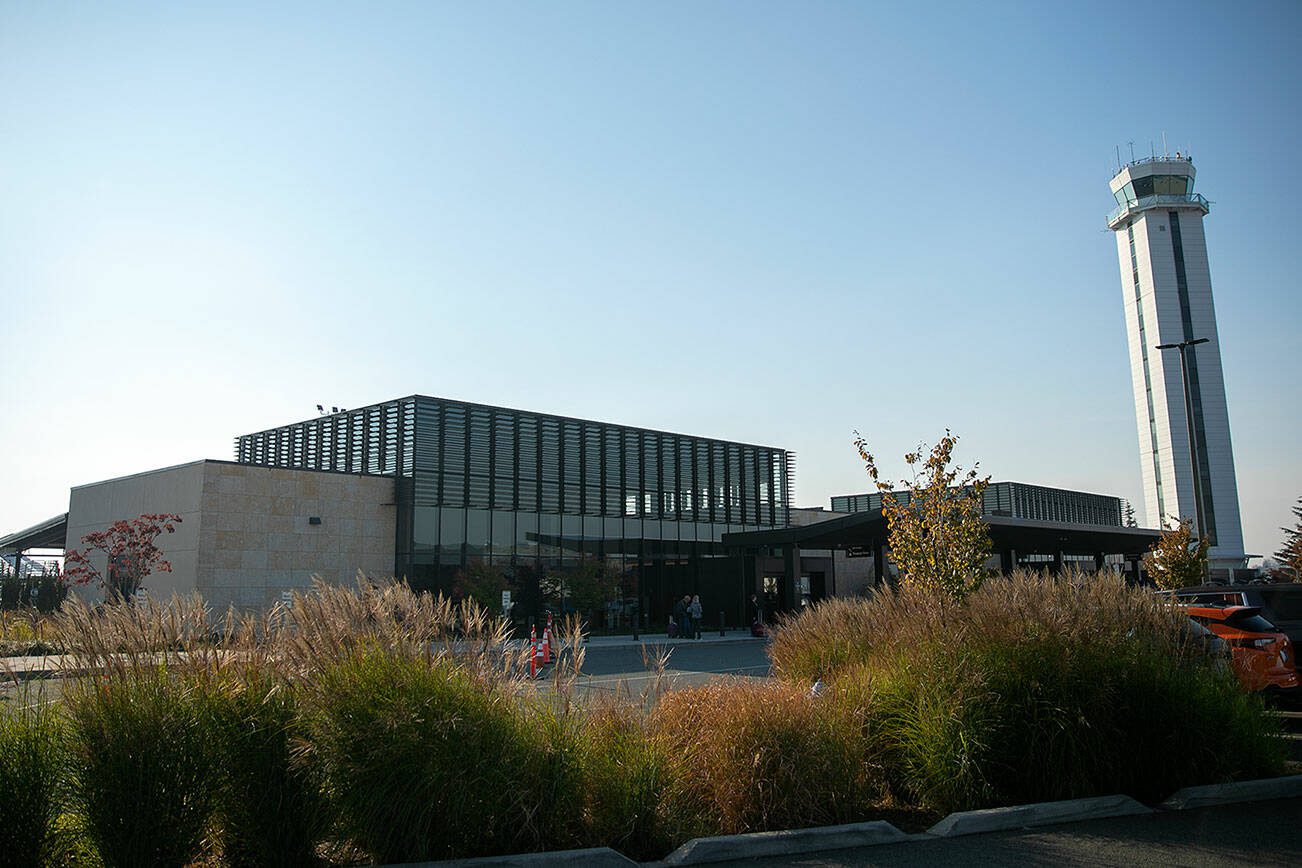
[[503, 533], [425, 528], [526, 534], [476, 532]]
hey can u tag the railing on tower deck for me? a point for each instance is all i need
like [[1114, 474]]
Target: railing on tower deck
[[1156, 200]]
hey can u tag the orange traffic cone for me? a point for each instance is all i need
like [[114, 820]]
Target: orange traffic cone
[[533, 651], [547, 644], [536, 661]]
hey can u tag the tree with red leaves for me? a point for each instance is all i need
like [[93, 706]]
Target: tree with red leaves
[[132, 555]]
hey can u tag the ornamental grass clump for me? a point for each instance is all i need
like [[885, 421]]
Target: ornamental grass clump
[[748, 756], [271, 809], [624, 776], [145, 769], [1033, 688], [33, 766], [424, 758]]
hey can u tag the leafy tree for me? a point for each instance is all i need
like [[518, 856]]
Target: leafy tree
[[1176, 560], [133, 554], [482, 583], [532, 589], [937, 536], [590, 585], [1290, 556]]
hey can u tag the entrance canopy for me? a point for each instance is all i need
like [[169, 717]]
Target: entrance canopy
[[49, 534], [1010, 537]]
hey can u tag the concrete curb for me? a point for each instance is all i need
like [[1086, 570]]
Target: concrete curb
[[601, 857], [1041, 814], [1239, 791], [789, 842]]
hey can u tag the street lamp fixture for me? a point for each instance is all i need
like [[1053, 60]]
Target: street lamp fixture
[[1182, 346]]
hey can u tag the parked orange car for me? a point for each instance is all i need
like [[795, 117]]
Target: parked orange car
[[1260, 654]]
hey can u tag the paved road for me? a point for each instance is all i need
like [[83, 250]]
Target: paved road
[[608, 667], [1261, 833]]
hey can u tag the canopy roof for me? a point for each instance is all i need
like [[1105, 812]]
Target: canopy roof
[[49, 534], [868, 529]]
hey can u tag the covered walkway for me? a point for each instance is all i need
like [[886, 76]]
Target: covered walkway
[[1017, 542]]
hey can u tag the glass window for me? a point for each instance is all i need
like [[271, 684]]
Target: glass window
[[1251, 623], [572, 532], [526, 534], [612, 529], [452, 527], [503, 534], [425, 528], [476, 531], [549, 528], [632, 528]]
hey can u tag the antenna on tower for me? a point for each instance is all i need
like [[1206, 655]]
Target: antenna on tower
[[1132, 151], [1118, 158], [1165, 153]]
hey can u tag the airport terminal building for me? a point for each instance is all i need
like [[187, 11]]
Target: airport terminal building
[[473, 482], [424, 488]]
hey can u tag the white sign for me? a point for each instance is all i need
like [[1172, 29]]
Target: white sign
[[506, 601], [287, 597]]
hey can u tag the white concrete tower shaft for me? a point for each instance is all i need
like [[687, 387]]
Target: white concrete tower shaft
[[1167, 289]]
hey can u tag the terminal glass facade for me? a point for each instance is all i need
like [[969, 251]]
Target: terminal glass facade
[[475, 483]]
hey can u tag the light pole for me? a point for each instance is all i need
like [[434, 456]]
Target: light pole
[[1188, 419]]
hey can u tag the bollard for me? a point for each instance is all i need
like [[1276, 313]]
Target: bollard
[[721, 622], [635, 619]]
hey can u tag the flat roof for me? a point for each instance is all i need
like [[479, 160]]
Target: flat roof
[[540, 415], [1039, 537]]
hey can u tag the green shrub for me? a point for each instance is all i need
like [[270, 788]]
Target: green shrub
[[145, 778], [424, 760], [32, 774], [271, 808], [1035, 689], [747, 756]]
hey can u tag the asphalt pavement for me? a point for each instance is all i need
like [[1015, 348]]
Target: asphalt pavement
[[607, 666], [1254, 833]]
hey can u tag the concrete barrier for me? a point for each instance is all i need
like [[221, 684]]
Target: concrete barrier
[[1039, 814], [789, 842], [1289, 787]]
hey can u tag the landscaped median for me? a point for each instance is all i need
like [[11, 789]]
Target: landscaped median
[[381, 725]]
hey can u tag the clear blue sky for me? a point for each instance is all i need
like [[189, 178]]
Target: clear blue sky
[[770, 222]]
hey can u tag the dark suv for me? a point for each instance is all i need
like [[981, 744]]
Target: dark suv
[[1280, 604]]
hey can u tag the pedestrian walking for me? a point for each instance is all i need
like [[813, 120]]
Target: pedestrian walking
[[697, 613]]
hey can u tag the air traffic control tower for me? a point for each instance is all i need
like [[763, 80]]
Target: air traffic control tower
[[1167, 289]]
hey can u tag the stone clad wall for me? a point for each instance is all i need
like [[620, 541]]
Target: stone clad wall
[[167, 490], [256, 540]]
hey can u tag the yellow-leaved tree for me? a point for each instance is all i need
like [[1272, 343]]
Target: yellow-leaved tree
[[1176, 560], [937, 536]]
